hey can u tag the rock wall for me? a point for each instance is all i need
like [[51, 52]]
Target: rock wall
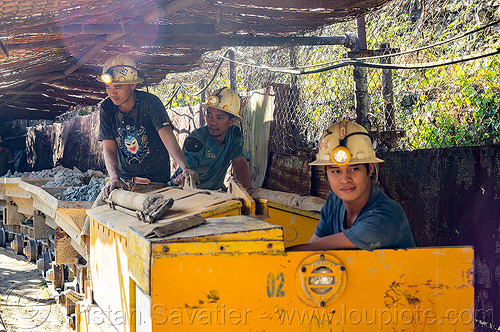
[[451, 197], [72, 143]]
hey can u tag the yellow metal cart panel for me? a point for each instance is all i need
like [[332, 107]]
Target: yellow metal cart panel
[[233, 273], [298, 225], [426, 289], [115, 259]]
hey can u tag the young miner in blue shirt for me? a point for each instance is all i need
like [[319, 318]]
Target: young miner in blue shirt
[[357, 214], [211, 149]]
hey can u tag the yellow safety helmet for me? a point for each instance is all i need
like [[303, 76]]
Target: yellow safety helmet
[[225, 100], [120, 69], [346, 143]]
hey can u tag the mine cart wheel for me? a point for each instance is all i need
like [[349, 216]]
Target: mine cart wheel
[[18, 244], [31, 250]]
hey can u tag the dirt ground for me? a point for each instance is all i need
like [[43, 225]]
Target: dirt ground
[[26, 303]]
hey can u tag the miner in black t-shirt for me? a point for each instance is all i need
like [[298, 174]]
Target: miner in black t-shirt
[[136, 133], [135, 130]]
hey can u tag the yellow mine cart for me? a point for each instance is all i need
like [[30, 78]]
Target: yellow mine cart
[[233, 273], [26, 198]]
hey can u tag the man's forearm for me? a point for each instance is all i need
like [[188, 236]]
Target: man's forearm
[[111, 159], [330, 242], [178, 156], [112, 168], [168, 138]]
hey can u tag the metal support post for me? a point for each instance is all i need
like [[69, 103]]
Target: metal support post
[[294, 88], [293, 63], [362, 102], [203, 99], [387, 92], [232, 71]]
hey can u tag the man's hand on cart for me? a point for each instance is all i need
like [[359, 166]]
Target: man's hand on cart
[[114, 184], [189, 175]]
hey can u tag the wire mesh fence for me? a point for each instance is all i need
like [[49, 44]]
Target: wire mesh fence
[[439, 55]]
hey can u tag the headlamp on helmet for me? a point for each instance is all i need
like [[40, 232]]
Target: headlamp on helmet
[[121, 69], [346, 143], [108, 76], [213, 100], [225, 100], [341, 155]]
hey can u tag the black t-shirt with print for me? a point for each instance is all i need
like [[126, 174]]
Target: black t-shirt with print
[[141, 151]]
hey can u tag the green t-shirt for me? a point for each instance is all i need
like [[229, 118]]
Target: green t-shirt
[[211, 159]]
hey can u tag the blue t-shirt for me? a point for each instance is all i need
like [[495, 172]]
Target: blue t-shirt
[[382, 223], [211, 159], [141, 151]]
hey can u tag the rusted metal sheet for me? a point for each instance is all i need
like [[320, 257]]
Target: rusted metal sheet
[[289, 173], [451, 197], [319, 183], [292, 174]]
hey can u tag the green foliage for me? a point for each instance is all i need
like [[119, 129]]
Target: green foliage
[[463, 115], [454, 105]]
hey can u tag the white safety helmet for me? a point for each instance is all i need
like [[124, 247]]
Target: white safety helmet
[[346, 143], [225, 100], [120, 69]]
